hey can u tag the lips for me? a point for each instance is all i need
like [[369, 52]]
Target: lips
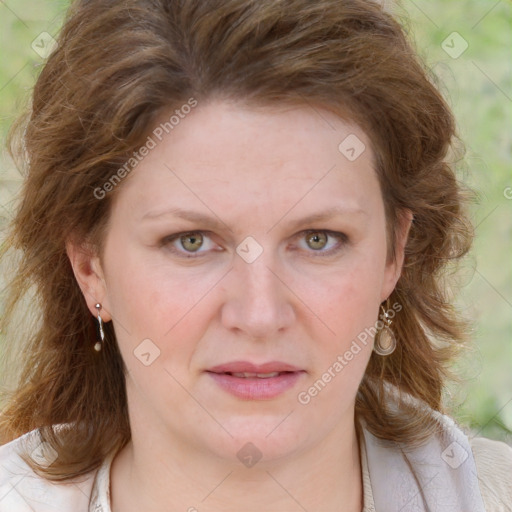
[[248, 375], [250, 381], [251, 368]]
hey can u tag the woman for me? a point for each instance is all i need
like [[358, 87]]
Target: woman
[[236, 218]]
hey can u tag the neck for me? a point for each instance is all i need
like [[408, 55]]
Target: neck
[[154, 475]]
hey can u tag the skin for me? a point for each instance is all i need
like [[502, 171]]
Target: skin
[[257, 172]]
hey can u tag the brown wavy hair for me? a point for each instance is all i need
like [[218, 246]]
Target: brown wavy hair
[[117, 67]]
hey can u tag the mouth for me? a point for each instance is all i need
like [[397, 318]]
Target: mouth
[[248, 375], [242, 368], [249, 381]]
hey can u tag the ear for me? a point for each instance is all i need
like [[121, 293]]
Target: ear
[[89, 276], [395, 265]]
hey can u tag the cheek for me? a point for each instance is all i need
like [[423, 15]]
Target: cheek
[[349, 300], [157, 302], [348, 305]]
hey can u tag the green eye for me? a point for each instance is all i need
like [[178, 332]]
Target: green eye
[[317, 240], [191, 241], [323, 243], [195, 244], [190, 244]]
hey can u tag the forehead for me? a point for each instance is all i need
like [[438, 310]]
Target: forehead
[[251, 160], [220, 130]]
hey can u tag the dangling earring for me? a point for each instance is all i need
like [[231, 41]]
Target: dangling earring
[[385, 341], [99, 344]]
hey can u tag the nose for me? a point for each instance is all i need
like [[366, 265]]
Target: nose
[[259, 303]]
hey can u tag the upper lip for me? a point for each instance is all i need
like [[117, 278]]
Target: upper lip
[[248, 367]]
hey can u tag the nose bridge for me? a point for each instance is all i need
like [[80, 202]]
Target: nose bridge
[[259, 303], [260, 284]]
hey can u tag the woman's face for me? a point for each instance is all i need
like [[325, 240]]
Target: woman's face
[[280, 272]]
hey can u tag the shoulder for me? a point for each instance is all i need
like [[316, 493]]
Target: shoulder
[[494, 468], [22, 490], [448, 467]]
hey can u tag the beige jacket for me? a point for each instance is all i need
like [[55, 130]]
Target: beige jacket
[[23, 491]]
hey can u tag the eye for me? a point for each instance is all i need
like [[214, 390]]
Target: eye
[[188, 244], [318, 240], [194, 244], [191, 241]]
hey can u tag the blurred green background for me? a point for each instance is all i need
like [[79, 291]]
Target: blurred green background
[[468, 45]]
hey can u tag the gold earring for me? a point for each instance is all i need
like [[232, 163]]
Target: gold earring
[[385, 341], [99, 344]]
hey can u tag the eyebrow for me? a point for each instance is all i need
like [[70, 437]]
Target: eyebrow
[[216, 223]]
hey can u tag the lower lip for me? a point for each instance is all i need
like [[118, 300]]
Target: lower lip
[[255, 388]]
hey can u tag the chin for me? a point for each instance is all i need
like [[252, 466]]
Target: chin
[[260, 440]]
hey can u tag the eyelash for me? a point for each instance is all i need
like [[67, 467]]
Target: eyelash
[[342, 237]]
